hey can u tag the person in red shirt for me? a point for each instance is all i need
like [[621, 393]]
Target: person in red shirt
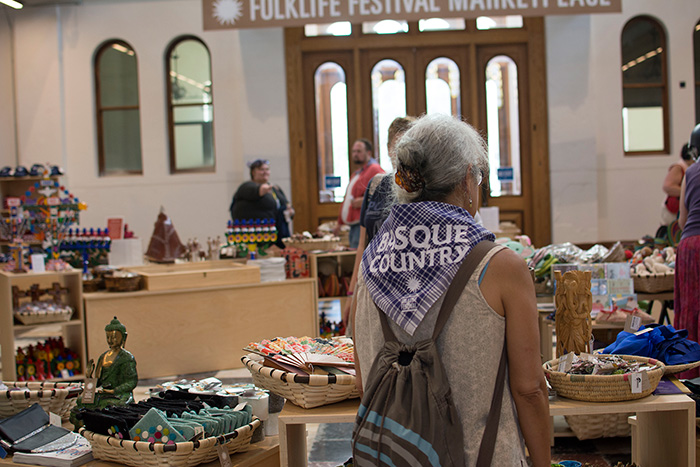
[[352, 204]]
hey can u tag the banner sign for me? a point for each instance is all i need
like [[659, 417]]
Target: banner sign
[[233, 14]]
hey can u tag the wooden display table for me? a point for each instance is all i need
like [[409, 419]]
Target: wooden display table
[[196, 330], [262, 454], [292, 427], [663, 434]]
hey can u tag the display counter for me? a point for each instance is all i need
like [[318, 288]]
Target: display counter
[[195, 330]]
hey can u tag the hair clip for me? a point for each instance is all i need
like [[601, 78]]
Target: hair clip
[[409, 179]]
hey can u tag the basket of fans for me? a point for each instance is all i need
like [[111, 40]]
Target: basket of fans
[[307, 371]]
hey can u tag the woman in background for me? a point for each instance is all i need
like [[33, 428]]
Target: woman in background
[[258, 199], [672, 185], [686, 290]]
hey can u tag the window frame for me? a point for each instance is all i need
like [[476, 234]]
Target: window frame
[[170, 108], [663, 86], [100, 109]]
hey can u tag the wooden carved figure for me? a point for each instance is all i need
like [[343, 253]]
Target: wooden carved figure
[[573, 317]]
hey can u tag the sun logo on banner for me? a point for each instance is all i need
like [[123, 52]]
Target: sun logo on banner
[[228, 11]]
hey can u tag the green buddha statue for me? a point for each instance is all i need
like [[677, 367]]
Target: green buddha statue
[[115, 372]]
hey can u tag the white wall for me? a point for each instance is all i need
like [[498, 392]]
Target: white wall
[[597, 193], [55, 47]]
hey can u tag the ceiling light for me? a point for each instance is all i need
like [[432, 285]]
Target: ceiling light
[[13, 4]]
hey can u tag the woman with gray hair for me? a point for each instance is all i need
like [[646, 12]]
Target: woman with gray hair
[[405, 273]]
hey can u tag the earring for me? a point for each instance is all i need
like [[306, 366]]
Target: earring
[[470, 202]]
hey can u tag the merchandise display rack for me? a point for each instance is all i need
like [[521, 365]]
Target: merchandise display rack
[[72, 331]]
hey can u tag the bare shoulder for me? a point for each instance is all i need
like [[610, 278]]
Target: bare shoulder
[[507, 263]]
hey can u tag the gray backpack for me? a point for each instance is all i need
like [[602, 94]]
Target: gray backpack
[[407, 416]]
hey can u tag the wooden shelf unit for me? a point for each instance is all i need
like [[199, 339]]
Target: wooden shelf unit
[[72, 331], [344, 263]]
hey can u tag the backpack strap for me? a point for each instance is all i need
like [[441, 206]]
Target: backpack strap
[[459, 282], [488, 441]]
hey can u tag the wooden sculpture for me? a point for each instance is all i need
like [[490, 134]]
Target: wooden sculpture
[[573, 317]]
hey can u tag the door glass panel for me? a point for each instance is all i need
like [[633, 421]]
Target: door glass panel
[[503, 126], [441, 24], [388, 103], [386, 26], [332, 132], [442, 87], [499, 22]]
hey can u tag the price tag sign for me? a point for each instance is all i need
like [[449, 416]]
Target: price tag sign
[[565, 362], [89, 392], [632, 323], [53, 201], [240, 406], [224, 458], [639, 382]]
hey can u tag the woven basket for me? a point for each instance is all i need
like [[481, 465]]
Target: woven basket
[[43, 318], [609, 425], [52, 397], [188, 454], [306, 391], [653, 283], [312, 244], [673, 369], [123, 284], [601, 388]]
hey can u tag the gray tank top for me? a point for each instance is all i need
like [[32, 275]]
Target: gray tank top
[[470, 346]]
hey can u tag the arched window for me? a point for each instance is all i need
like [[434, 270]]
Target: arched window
[[388, 102], [190, 106], [442, 87], [503, 126], [117, 109], [696, 61], [332, 132], [644, 87]]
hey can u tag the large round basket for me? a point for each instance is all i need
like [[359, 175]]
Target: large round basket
[[601, 388], [673, 369], [306, 391], [188, 454], [58, 398]]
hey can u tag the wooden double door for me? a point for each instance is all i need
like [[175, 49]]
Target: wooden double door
[[470, 51]]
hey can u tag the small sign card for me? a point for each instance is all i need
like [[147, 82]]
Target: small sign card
[[89, 392], [224, 457], [639, 382], [565, 362], [632, 323]]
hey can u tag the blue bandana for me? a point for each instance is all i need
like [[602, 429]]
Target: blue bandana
[[415, 255]]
